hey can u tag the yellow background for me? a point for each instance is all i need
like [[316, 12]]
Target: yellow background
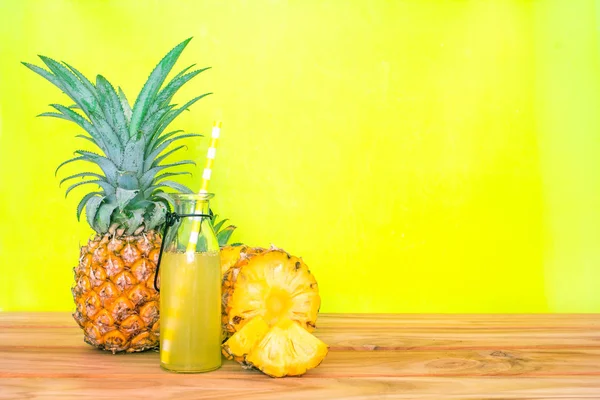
[[421, 155]]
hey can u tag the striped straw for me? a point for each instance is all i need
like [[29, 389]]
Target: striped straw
[[210, 158]]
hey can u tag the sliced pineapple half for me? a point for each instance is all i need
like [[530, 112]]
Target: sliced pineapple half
[[232, 258], [286, 350], [273, 285], [239, 345]]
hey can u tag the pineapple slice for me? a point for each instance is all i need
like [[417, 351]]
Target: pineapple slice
[[273, 285], [240, 344], [287, 350]]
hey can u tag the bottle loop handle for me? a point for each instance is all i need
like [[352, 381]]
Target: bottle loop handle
[[170, 220]]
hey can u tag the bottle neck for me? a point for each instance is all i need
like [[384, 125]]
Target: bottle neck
[[191, 207]]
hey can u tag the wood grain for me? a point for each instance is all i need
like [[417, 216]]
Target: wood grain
[[42, 356]]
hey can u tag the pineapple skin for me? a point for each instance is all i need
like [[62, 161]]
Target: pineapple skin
[[116, 303]]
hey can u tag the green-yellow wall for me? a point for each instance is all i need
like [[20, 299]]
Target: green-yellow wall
[[421, 155]]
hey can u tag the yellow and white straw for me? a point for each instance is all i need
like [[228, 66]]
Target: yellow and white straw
[[210, 159]]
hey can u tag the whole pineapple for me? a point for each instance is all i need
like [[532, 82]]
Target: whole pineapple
[[116, 303]]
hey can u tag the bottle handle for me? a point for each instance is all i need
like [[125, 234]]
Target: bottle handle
[[170, 220]]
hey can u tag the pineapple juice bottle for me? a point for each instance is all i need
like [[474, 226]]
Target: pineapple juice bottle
[[190, 290], [190, 324]]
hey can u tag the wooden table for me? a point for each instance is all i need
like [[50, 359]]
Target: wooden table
[[42, 356]]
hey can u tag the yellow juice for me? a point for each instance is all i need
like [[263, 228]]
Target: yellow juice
[[190, 312]]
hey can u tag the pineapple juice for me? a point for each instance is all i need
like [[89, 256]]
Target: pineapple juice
[[190, 312]]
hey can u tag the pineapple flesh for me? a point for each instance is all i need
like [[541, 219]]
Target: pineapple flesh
[[116, 303], [270, 304], [239, 345], [286, 349], [273, 285]]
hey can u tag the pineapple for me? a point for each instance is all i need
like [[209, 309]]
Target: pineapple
[[222, 232], [286, 349], [116, 303], [271, 284], [270, 303], [230, 255], [240, 344]]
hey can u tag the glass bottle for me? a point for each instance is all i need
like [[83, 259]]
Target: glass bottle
[[190, 289]]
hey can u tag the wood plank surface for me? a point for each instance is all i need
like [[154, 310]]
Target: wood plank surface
[[42, 356]]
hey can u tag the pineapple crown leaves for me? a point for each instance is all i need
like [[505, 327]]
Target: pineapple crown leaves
[[223, 233], [132, 142]]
